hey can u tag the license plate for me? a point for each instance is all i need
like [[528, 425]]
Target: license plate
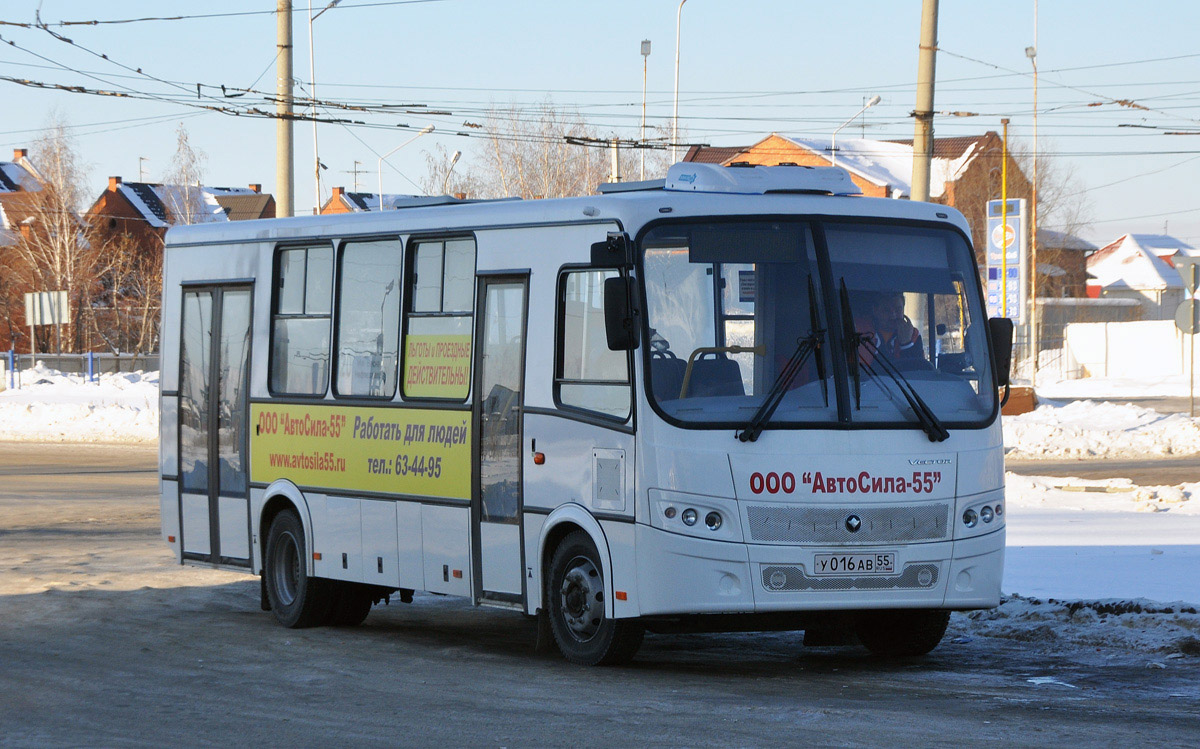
[[855, 564]]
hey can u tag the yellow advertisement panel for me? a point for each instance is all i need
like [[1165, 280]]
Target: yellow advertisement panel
[[437, 366], [394, 450]]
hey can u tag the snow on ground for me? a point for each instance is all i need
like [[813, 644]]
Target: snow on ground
[[1091, 429], [54, 407]]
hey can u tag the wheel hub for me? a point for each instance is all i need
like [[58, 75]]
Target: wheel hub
[[582, 599]]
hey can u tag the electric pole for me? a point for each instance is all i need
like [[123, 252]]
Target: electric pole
[[923, 114], [284, 168]]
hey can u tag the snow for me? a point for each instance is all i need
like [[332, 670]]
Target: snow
[[54, 407], [1093, 429], [886, 163], [1161, 386], [1131, 263]]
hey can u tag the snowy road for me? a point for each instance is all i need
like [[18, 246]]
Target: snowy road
[[105, 641]]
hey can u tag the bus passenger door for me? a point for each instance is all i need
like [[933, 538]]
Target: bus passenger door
[[498, 415], [214, 505]]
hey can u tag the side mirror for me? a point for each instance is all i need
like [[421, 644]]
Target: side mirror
[[620, 320], [1000, 333], [614, 252]]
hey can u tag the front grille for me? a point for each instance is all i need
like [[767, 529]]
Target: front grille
[[784, 578], [928, 521]]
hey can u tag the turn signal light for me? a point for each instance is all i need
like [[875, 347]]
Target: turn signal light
[[316, 556], [170, 539], [539, 459], [456, 573]]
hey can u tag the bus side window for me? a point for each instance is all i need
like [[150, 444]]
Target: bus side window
[[588, 375], [439, 309], [368, 322], [300, 321]]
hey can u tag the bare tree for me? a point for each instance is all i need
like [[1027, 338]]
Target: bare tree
[[182, 194], [127, 316], [541, 152], [56, 250]]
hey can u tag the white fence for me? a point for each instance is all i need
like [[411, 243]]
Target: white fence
[[1152, 348]]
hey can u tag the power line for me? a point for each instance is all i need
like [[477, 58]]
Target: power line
[[230, 14]]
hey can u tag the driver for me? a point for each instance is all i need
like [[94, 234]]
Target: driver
[[891, 331]]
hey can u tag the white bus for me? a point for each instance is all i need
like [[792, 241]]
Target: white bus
[[737, 398]]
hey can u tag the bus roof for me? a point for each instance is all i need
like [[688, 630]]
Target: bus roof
[[690, 189]]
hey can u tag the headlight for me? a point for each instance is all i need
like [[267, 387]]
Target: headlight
[[970, 518], [688, 516]]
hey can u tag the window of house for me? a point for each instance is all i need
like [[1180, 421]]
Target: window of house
[[300, 323], [368, 322], [439, 311], [588, 375]]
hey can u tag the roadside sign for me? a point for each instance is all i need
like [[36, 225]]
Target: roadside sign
[[46, 308], [1006, 267], [1189, 271], [1187, 316]]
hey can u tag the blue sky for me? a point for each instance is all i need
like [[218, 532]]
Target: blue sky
[[747, 69]]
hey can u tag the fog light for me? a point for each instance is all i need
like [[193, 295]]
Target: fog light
[[999, 510], [669, 512], [986, 514], [970, 519], [688, 517], [713, 520]]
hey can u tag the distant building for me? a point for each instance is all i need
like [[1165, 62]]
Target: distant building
[[21, 188], [144, 211], [1062, 264], [343, 201], [1139, 267], [965, 172]]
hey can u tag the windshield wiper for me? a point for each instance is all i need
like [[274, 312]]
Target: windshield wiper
[[928, 420], [805, 347], [853, 340]]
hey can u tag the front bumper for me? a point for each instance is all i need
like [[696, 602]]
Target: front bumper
[[679, 574]]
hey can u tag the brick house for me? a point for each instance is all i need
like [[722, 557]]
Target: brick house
[[342, 201], [20, 185], [965, 172]]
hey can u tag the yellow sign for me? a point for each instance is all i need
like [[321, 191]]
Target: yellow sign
[[407, 451], [437, 366]]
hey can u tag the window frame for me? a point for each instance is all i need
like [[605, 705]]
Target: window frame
[[335, 335], [560, 288], [275, 315], [411, 244]]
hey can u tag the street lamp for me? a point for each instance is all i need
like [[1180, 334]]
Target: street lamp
[[675, 116], [446, 182], [312, 78], [833, 141], [645, 55], [426, 129]]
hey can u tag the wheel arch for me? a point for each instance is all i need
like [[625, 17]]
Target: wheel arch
[[559, 524], [282, 495]]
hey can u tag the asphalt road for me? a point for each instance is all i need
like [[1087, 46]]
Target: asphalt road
[[105, 641], [1159, 471]]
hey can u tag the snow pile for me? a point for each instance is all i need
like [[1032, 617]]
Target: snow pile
[[1167, 630], [1087, 429], [1099, 495], [51, 406]]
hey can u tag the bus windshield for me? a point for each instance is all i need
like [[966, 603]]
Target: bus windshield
[[807, 313]]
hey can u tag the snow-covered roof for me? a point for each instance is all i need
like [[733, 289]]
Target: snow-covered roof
[[369, 201], [165, 205], [1060, 240], [889, 163], [1135, 261], [18, 177]]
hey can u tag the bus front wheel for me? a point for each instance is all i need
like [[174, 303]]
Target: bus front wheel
[[297, 600], [902, 633], [575, 599]]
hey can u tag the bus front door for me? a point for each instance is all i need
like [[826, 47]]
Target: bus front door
[[213, 380], [500, 373]]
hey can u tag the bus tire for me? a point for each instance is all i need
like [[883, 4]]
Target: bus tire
[[350, 606], [575, 601], [902, 633], [297, 600]]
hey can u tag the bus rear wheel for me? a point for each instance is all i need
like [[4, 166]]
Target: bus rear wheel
[[297, 600], [902, 633], [575, 599]]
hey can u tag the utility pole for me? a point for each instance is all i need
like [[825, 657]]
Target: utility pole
[[615, 173], [923, 114], [1031, 52], [645, 58], [284, 169]]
